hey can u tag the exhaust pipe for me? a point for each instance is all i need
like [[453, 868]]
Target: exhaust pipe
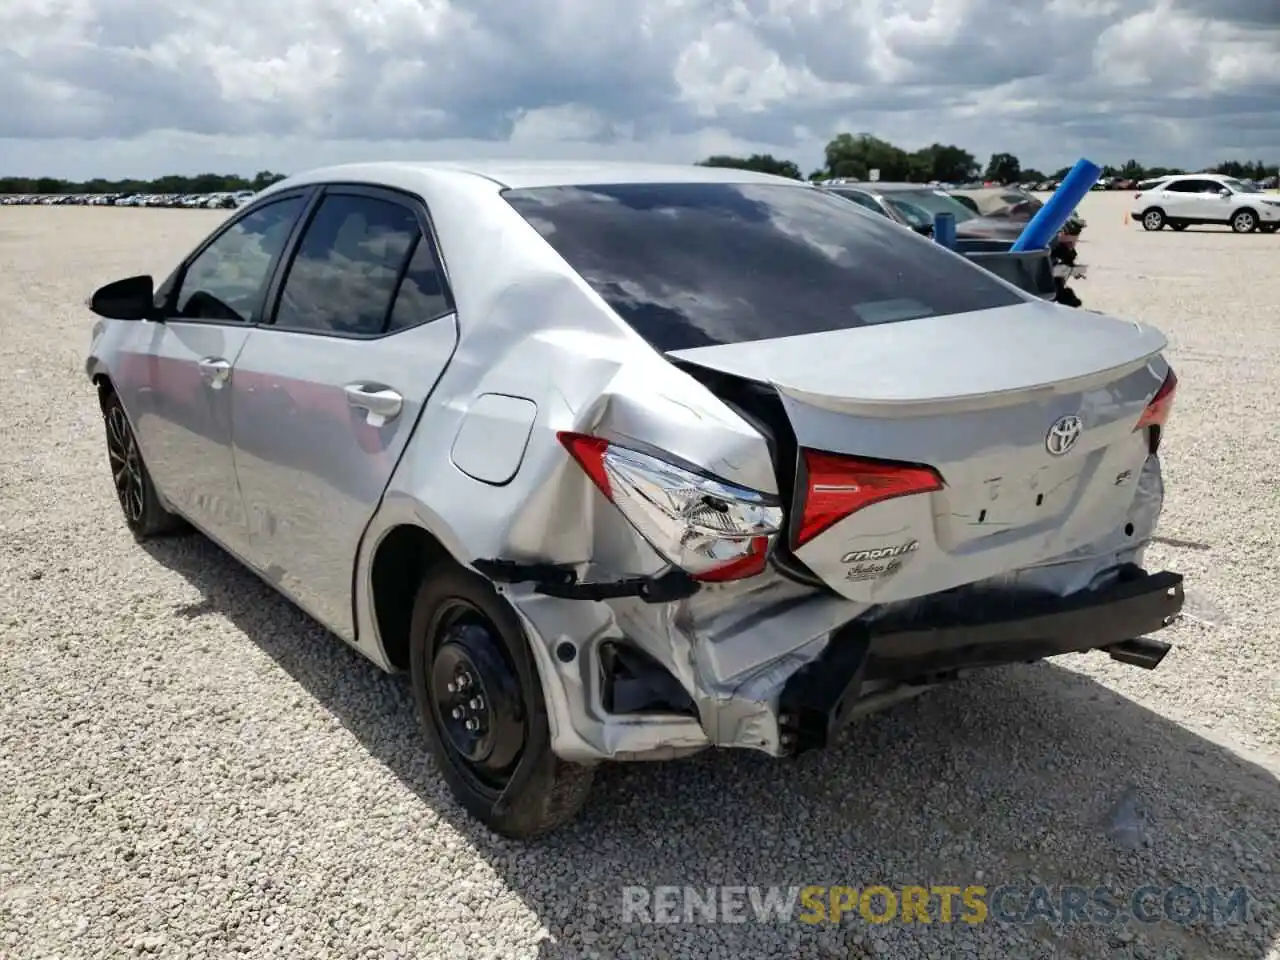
[[1140, 652]]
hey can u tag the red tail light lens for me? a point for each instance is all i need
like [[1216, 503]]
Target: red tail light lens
[[589, 452], [838, 486], [713, 530], [1161, 405]]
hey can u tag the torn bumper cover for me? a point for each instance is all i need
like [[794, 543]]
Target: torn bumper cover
[[820, 698]]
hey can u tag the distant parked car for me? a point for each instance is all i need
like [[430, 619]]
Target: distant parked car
[[1006, 203], [1014, 206], [1206, 198], [915, 205]]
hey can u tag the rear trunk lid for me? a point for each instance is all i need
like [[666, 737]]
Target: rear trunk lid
[[1026, 414]]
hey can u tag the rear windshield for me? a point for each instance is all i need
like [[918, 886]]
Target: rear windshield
[[700, 264], [919, 207]]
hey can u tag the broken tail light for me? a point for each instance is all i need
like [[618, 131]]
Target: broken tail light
[[713, 530], [1157, 411], [836, 486], [1161, 405]]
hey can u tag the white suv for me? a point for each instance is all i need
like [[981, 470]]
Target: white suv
[[1206, 198]]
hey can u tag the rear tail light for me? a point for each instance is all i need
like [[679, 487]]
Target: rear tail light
[[837, 486], [713, 530], [1161, 405]]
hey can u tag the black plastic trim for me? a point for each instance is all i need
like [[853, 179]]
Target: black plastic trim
[[558, 580], [933, 649]]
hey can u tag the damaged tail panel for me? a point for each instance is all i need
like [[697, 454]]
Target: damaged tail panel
[[687, 621]]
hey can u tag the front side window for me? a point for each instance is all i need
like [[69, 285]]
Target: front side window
[[347, 266], [699, 264], [227, 279], [1239, 186]]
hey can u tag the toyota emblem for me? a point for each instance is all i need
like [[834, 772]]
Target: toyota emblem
[[1062, 436]]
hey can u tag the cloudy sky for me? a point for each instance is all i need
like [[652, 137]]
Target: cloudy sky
[[146, 87]]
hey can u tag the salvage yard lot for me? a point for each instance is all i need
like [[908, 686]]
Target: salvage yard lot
[[191, 768]]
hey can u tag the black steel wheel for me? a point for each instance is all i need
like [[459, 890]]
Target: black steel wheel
[[480, 705], [143, 512], [475, 696]]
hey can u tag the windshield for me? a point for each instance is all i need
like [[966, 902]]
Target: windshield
[[918, 207], [1241, 187], [700, 264]]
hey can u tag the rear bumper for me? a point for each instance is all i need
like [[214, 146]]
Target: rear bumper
[[820, 698]]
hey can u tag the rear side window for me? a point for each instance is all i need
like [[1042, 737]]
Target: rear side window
[[700, 264], [347, 266], [422, 295]]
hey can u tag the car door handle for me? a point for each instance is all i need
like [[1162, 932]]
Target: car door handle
[[381, 403], [215, 371]]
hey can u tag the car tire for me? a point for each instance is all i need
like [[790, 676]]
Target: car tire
[[1153, 219], [1244, 221], [143, 512], [1179, 226], [465, 635]]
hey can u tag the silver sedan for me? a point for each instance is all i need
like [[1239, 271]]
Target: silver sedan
[[622, 462]]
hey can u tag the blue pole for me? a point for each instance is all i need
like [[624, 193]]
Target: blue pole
[[944, 230], [1053, 216]]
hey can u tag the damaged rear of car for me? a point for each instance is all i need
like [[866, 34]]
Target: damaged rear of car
[[902, 468]]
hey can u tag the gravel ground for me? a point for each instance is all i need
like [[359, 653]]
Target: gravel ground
[[191, 768]]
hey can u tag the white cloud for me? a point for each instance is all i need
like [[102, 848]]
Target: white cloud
[[145, 87]]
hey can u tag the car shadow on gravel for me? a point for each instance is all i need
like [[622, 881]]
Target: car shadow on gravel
[[1024, 776]]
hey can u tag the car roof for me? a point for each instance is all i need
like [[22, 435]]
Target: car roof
[[877, 186], [522, 174], [1007, 188]]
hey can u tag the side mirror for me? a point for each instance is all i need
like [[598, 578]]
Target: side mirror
[[1224, 192], [132, 298]]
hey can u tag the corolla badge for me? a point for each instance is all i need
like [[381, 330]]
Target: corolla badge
[[1062, 436], [877, 562]]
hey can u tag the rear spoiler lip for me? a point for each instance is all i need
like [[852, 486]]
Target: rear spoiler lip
[[955, 403]]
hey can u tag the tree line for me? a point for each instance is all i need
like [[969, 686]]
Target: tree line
[[847, 155], [856, 155], [173, 183]]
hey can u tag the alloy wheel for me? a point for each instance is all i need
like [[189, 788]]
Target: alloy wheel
[[126, 465]]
